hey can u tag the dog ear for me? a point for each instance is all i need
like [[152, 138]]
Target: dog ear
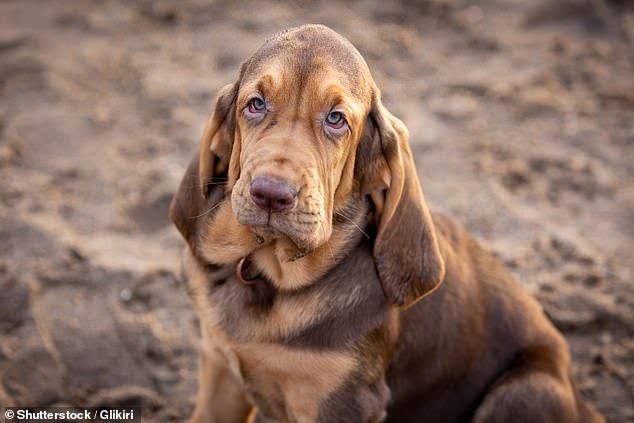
[[189, 209], [207, 172], [187, 204], [406, 251], [218, 139]]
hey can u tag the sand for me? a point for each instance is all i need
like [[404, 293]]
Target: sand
[[521, 119]]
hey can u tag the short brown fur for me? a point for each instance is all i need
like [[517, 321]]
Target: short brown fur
[[333, 329]]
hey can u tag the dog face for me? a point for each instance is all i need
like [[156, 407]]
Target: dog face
[[299, 116], [300, 137]]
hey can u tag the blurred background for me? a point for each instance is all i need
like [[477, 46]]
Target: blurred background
[[521, 119]]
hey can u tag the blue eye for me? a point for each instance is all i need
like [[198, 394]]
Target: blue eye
[[335, 118], [257, 105]]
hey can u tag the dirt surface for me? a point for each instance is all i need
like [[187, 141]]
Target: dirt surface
[[521, 118]]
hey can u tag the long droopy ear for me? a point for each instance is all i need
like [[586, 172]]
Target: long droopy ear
[[218, 138], [203, 185], [406, 250], [188, 206]]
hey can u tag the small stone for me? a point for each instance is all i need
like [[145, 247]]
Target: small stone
[[125, 294]]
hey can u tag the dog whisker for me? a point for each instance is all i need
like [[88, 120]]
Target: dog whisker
[[353, 223], [208, 184], [207, 211]]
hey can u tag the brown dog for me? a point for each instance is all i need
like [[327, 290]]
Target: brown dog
[[310, 246]]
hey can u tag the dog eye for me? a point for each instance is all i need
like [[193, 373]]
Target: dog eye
[[257, 105], [335, 120]]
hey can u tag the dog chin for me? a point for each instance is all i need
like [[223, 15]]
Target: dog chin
[[294, 246], [268, 228]]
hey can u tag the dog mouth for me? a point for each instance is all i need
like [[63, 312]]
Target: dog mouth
[[275, 209], [276, 229], [268, 227]]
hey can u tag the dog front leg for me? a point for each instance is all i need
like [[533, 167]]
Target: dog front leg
[[220, 397]]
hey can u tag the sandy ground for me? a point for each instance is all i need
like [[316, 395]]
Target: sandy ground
[[521, 118]]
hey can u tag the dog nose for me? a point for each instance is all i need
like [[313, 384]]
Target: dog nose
[[272, 194]]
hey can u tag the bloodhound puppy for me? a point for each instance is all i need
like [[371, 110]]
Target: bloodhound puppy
[[326, 290]]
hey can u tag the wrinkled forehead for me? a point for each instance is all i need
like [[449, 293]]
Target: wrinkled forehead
[[310, 54]]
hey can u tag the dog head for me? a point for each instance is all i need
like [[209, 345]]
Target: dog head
[[300, 133]]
